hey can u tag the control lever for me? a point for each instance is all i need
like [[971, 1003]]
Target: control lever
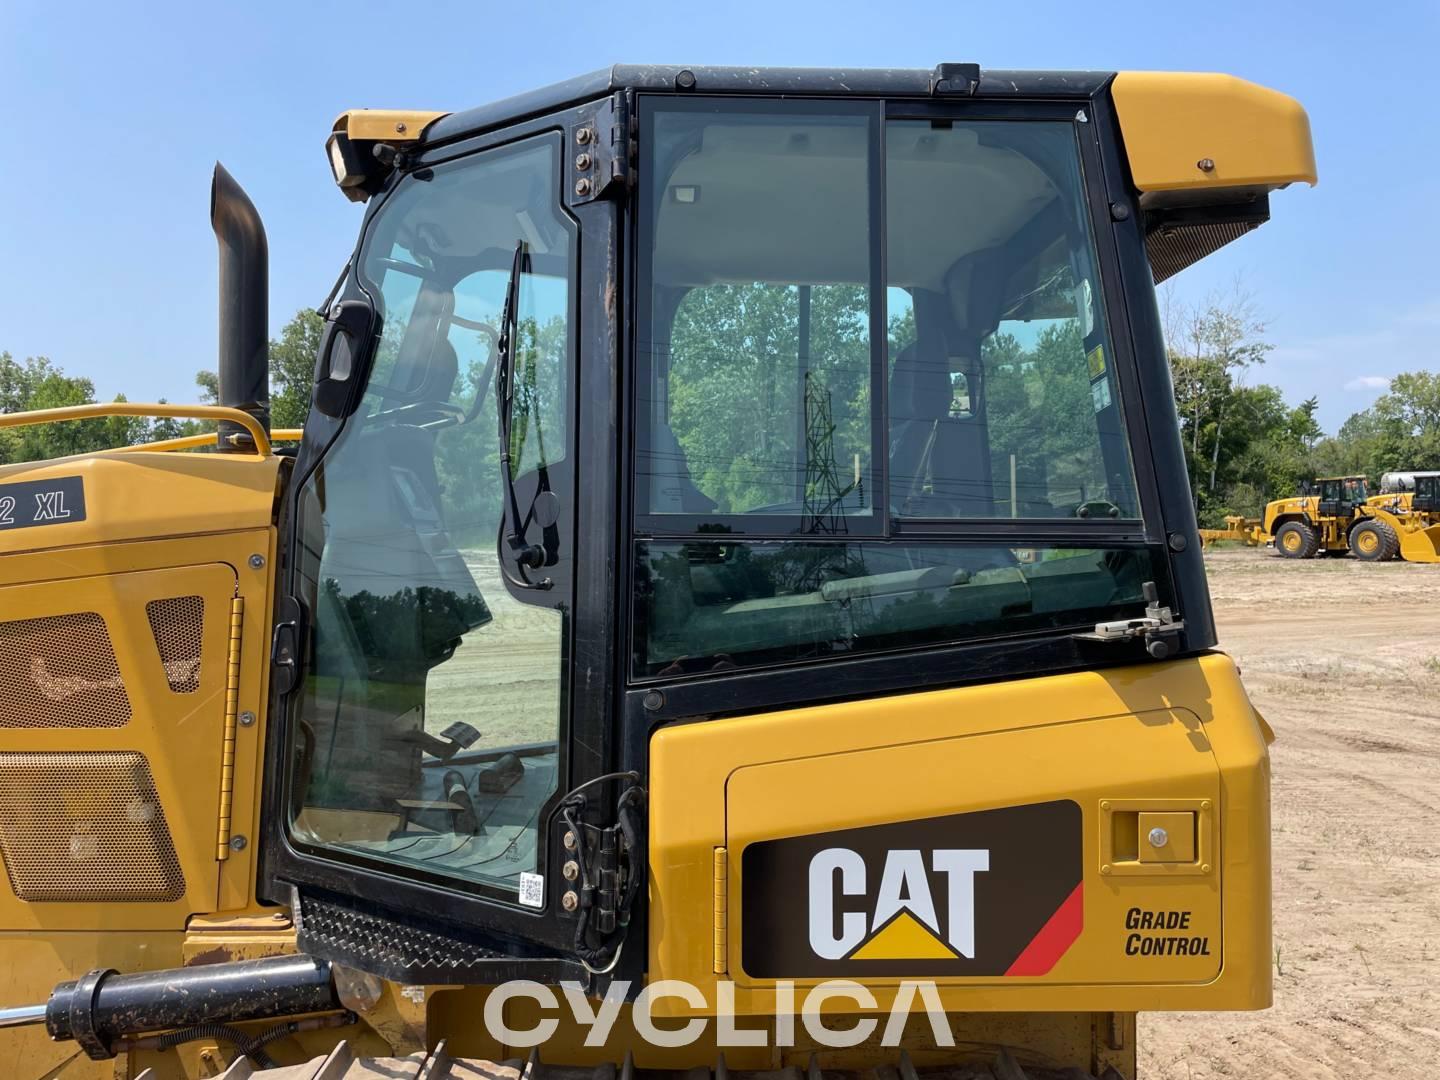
[[458, 736]]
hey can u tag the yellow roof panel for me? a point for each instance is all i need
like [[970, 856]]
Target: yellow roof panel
[[1192, 131]]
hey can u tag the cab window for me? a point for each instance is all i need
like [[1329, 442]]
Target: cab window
[[860, 339]]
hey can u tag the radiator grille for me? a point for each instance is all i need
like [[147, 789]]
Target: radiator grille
[[177, 624], [60, 672], [85, 827]]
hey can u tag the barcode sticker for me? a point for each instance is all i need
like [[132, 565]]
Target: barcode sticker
[[532, 890]]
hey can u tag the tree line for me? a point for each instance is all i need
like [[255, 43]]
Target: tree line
[[1245, 445], [37, 382]]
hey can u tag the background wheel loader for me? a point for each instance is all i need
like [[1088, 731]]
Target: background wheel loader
[[675, 604], [1337, 514]]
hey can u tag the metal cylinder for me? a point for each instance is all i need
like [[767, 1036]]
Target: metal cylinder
[[102, 1006], [20, 1015], [244, 358]]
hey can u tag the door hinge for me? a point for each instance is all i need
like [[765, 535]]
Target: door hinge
[[601, 150], [232, 720], [719, 905]]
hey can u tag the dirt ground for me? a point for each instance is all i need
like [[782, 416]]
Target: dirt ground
[[1343, 660]]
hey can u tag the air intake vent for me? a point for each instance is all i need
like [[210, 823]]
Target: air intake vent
[[60, 672], [177, 624], [1174, 248], [85, 827]]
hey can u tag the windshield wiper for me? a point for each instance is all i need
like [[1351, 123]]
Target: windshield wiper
[[526, 555]]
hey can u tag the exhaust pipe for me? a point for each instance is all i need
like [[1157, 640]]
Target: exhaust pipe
[[244, 307]]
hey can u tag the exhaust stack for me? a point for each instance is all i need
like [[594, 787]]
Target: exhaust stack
[[244, 307]]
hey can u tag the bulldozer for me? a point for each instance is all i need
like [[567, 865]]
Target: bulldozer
[[735, 606]]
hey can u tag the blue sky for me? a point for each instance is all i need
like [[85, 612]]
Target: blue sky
[[116, 114]]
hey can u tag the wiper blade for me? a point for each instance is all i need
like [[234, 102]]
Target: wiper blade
[[526, 555]]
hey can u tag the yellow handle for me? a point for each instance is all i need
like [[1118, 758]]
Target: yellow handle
[[126, 408]]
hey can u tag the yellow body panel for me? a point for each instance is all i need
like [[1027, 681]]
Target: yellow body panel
[[135, 495], [1164, 736], [1172, 121]]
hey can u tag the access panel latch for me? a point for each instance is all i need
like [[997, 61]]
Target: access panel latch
[[1158, 626]]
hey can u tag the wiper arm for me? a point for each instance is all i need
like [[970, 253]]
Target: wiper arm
[[526, 555]]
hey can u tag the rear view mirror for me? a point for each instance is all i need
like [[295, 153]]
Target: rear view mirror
[[342, 364]]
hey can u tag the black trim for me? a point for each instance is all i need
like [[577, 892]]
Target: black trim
[[840, 83], [651, 706]]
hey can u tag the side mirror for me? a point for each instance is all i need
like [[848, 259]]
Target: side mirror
[[342, 364]]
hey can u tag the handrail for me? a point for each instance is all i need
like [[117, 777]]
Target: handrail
[[192, 442], [127, 408]]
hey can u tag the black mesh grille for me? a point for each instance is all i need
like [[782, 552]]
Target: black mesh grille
[[1174, 247]]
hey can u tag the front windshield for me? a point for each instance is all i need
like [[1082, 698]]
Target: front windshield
[[431, 712]]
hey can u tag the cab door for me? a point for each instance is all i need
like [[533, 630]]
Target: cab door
[[423, 654]]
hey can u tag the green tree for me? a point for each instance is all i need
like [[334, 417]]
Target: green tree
[[292, 368]]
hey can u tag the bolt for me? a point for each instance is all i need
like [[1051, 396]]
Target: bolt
[[1205, 868], [400, 127], [684, 79], [653, 701], [247, 719], [570, 871], [1158, 837], [257, 561], [584, 135], [1104, 804], [569, 840], [570, 901], [1105, 869], [1205, 805], [1206, 164], [582, 161], [582, 186], [238, 842]]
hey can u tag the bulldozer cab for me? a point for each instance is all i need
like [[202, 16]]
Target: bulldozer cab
[[650, 402]]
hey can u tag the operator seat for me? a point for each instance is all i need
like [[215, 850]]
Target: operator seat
[[927, 443]]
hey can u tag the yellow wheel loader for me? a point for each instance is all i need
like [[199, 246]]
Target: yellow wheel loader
[[1333, 515], [1404, 524], [735, 605], [1319, 520]]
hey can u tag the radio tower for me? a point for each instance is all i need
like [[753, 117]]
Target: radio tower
[[824, 511]]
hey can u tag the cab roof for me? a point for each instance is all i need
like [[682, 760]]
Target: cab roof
[[944, 80]]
